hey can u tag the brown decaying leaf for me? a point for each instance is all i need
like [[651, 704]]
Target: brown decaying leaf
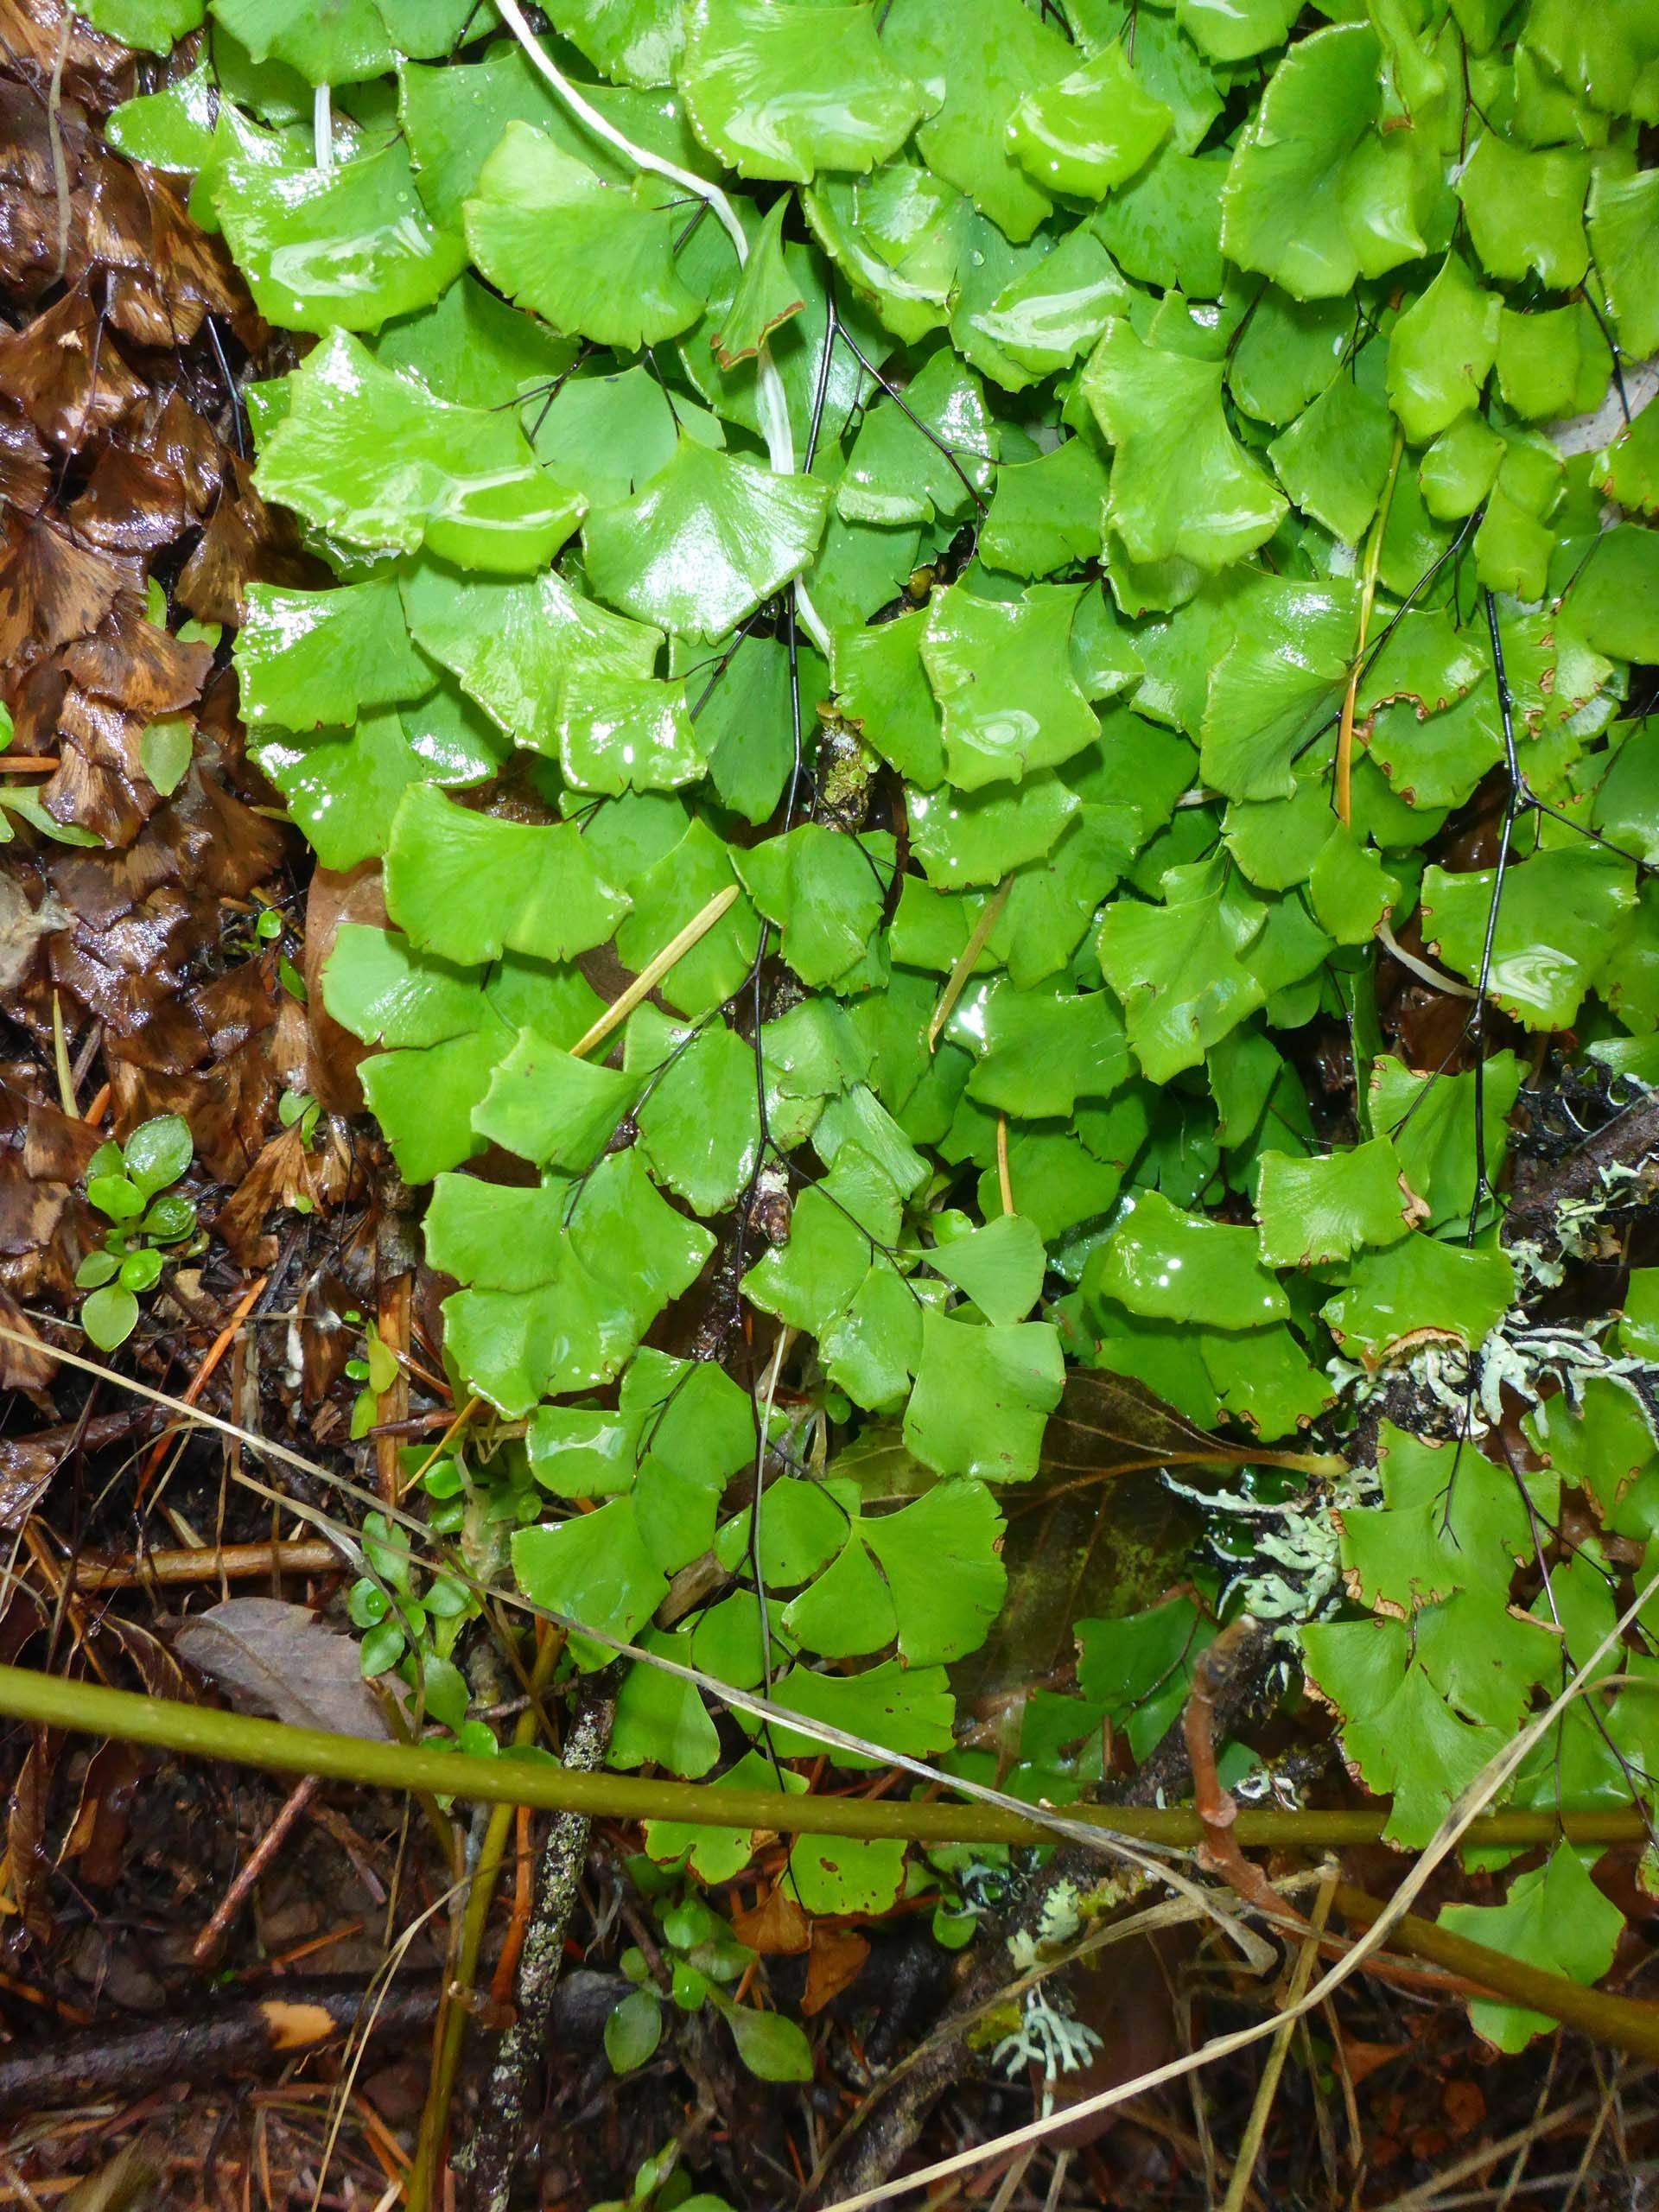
[[64, 371], [97, 1833], [834, 1962], [45, 1225], [45, 35], [128, 2183], [53, 588], [1109, 1421], [333, 900], [26, 1833], [22, 1367], [776, 1927], [281, 1659]]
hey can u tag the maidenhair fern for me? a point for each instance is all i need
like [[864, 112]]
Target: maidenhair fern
[[981, 545]]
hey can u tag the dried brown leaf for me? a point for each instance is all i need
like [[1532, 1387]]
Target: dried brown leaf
[[64, 371], [26, 1833], [836, 1961], [229, 1107], [133, 503], [333, 900], [25, 478], [279, 1659], [53, 587], [22, 1367], [136, 663]]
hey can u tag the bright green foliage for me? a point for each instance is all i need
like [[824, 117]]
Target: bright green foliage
[[347, 247], [701, 545], [596, 260], [927, 632], [1175, 1266], [1183, 487], [1001, 673], [150, 1223], [1557, 921], [1441, 352], [1553, 1917], [1090, 131], [787, 91], [1316, 196], [466, 886], [1314, 1211], [308, 659], [1417, 1287], [371, 458], [1138, 1668]]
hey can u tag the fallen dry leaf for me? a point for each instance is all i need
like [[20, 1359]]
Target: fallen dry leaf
[[281, 1659]]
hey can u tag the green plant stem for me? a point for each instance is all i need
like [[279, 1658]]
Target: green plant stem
[[1344, 774], [451, 2029], [1620, 2023], [203, 1732]]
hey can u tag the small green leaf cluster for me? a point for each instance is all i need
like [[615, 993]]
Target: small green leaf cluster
[[150, 1222], [411, 1623], [703, 1959], [661, 2185], [974, 552]]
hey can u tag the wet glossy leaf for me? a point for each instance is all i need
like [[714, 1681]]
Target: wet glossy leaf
[[967, 838], [594, 259], [309, 659], [466, 886], [825, 893], [882, 687], [1334, 460], [1431, 1117], [1275, 686], [1182, 486], [633, 40], [785, 90], [1176, 1266], [350, 245], [1091, 130], [550, 1108], [1316, 1211], [699, 1122], [1000, 1267], [1047, 513], [985, 56], [1525, 210], [1441, 351], [1001, 673], [1315, 197], [766, 295], [704, 542], [1621, 234], [1556, 922], [1419, 1289], [328, 42], [897, 471], [510, 643], [671, 892], [1044, 1050], [368, 456], [154, 25], [1612, 602], [1178, 970]]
